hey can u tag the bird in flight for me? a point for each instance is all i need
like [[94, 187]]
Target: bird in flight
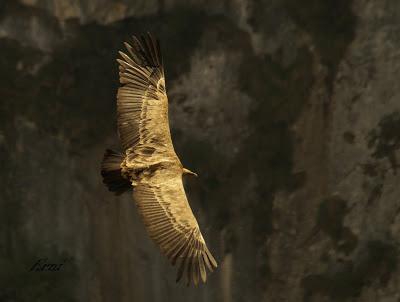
[[149, 163]]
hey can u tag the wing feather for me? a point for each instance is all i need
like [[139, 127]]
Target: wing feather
[[170, 222], [142, 103]]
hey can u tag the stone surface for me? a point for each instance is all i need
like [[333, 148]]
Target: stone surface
[[288, 111]]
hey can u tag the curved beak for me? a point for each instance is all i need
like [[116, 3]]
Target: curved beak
[[187, 171]]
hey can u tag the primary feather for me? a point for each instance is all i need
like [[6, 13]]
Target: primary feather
[[151, 164]]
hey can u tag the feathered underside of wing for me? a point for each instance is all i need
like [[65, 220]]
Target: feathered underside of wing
[[171, 224], [142, 103]]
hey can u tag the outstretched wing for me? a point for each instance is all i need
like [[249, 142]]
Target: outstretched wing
[[170, 222], [142, 103]]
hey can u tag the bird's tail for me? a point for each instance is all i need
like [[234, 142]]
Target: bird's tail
[[111, 172]]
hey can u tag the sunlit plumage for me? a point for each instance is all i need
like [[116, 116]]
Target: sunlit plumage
[[149, 163]]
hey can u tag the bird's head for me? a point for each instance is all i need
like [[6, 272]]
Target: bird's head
[[187, 171]]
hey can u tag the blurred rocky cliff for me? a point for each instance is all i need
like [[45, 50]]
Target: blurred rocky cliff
[[288, 110]]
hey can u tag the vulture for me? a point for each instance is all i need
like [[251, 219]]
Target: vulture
[[149, 165]]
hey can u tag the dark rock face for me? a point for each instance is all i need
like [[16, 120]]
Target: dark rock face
[[288, 111]]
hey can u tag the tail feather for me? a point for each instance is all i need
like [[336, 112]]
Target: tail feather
[[111, 172]]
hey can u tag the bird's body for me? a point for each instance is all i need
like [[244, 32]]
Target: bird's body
[[150, 165]]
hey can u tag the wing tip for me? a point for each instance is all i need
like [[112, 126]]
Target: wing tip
[[195, 267], [147, 48]]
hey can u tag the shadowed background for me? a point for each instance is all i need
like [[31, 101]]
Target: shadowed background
[[288, 110]]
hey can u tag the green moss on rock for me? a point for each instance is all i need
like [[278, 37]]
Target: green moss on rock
[[279, 93], [331, 24], [385, 140], [330, 217], [345, 281]]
